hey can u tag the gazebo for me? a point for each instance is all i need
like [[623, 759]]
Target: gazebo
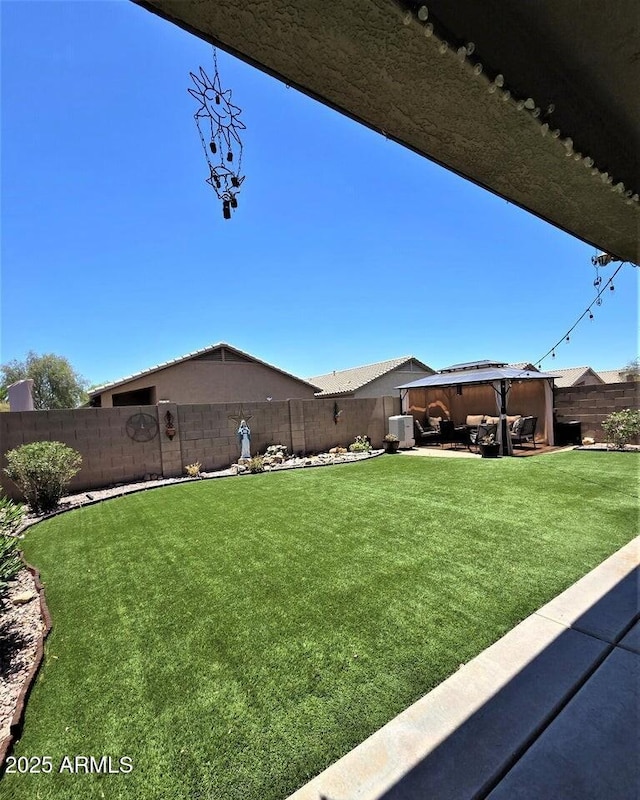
[[476, 387]]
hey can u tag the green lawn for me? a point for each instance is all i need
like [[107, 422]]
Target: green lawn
[[234, 637]]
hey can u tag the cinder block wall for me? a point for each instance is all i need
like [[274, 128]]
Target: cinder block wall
[[357, 416], [109, 455], [204, 433], [591, 404]]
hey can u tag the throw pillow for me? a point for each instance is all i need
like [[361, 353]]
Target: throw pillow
[[517, 426]]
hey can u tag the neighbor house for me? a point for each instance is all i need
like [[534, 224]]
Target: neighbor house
[[622, 375], [371, 380], [216, 374], [576, 376]]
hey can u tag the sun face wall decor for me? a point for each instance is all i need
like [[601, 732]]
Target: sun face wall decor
[[220, 138]]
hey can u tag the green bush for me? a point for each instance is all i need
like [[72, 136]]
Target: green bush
[[11, 515], [621, 427], [361, 445], [41, 471], [10, 564]]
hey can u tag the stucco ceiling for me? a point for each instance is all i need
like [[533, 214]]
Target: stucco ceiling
[[572, 158]]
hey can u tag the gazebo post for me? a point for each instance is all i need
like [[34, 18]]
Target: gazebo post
[[504, 445]]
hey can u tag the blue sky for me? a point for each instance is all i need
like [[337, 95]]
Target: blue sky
[[345, 249]]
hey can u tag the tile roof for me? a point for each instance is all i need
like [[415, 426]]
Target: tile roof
[[614, 375], [570, 375], [349, 380], [107, 386]]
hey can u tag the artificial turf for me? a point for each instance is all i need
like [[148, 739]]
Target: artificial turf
[[234, 637]]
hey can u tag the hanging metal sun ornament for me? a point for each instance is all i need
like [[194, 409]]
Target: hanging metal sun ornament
[[220, 138]]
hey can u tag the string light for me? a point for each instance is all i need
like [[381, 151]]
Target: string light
[[587, 312]]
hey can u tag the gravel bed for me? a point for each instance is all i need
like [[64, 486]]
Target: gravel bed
[[21, 625]]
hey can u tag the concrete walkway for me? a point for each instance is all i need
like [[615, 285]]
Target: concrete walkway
[[550, 711]]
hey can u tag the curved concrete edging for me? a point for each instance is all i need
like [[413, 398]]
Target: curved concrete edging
[[494, 727], [15, 728]]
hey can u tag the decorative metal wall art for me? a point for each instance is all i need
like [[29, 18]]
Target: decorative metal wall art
[[221, 142], [142, 427], [170, 428]]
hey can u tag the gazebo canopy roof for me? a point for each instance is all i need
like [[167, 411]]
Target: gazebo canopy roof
[[471, 375]]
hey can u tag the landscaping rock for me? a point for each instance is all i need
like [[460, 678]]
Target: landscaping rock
[[23, 597]]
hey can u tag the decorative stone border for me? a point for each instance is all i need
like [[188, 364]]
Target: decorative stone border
[[15, 728]]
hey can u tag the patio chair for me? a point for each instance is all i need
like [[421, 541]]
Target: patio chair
[[525, 431], [477, 434], [426, 435], [452, 434]]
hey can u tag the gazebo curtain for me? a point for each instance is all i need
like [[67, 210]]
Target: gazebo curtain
[[506, 446]]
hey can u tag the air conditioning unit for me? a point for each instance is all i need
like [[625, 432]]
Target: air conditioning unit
[[402, 427]]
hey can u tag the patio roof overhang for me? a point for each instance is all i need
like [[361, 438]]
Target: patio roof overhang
[[575, 66]]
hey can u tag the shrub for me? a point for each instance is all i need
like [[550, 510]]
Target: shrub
[[256, 464], [41, 471], [621, 427], [11, 515], [361, 445], [193, 470]]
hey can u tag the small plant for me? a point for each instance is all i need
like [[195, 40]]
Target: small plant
[[10, 564], [41, 471], [256, 464], [11, 515], [193, 470], [621, 427], [360, 445], [391, 437]]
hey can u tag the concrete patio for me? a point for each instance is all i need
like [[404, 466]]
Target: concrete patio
[[549, 711]]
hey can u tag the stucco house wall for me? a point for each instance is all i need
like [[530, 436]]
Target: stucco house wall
[[213, 382], [385, 385]]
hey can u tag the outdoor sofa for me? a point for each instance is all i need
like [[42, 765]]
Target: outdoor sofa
[[439, 430]]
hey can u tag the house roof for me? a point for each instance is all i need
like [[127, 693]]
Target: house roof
[[349, 380], [196, 354], [614, 375], [475, 376], [571, 375]]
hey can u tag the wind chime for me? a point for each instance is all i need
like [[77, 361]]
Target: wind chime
[[218, 123]]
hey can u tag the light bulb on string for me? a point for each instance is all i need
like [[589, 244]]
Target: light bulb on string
[[590, 315], [568, 338], [612, 288], [553, 354]]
